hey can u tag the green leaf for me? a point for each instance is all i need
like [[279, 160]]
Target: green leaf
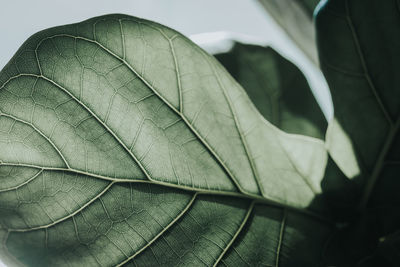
[[282, 95], [295, 18], [123, 142], [360, 72], [277, 88], [358, 49]]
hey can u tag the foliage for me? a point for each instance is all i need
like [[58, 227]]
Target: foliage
[[123, 143]]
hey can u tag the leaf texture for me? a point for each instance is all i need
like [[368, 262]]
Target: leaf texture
[[121, 142]]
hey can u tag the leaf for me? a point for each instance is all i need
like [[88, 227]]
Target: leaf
[[123, 142], [295, 18], [360, 74], [358, 49], [277, 88], [282, 95]]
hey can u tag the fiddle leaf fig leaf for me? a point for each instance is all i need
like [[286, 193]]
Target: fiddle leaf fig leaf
[[359, 54], [277, 88], [282, 95], [122, 142], [359, 68]]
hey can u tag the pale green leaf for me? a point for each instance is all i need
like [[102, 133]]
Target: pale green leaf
[[123, 142], [295, 18]]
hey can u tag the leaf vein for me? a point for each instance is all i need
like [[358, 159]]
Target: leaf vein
[[22, 184], [187, 207], [239, 230], [65, 217], [364, 66]]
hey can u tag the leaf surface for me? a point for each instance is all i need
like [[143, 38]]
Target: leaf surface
[[123, 142]]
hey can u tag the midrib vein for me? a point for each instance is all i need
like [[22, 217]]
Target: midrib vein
[[256, 199], [215, 192], [242, 193], [75, 171], [69, 168]]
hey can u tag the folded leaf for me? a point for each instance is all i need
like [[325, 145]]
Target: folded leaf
[[121, 142], [295, 18]]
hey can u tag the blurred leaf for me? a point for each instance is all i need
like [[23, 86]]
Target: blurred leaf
[[360, 69], [277, 88], [358, 44], [295, 18]]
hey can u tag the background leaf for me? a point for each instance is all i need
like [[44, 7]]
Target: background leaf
[[295, 17], [358, 48], [277, 88]]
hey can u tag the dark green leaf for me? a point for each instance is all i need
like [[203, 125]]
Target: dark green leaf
[[277, 88], [359, 67], [358, 44]]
